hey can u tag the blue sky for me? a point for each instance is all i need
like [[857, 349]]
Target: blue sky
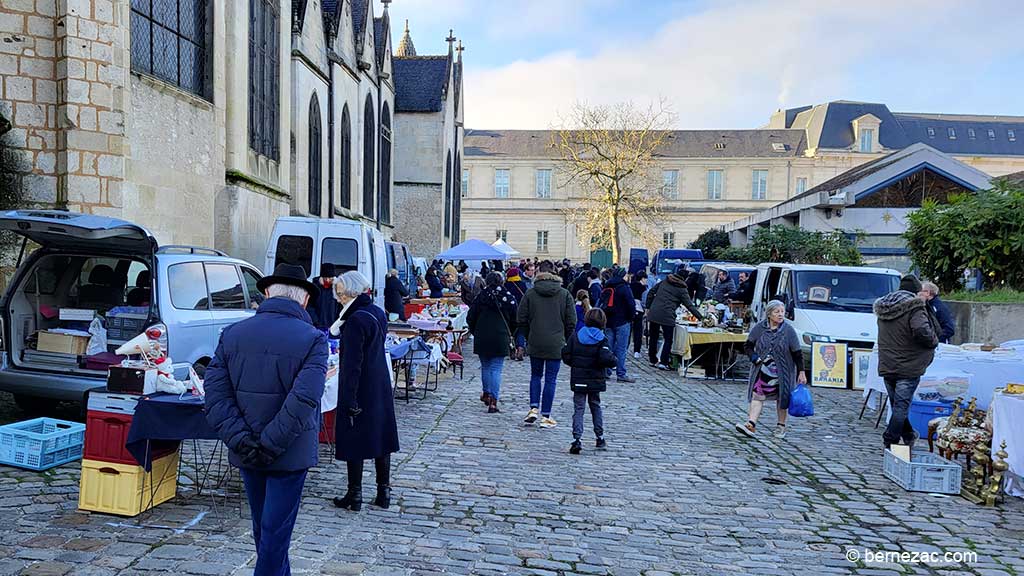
[[724, 63]]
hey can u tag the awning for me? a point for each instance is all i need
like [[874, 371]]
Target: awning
[[504, 247], [473, 249]]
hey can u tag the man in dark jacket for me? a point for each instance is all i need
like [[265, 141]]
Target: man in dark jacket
[[745, 290], [907, 338], [662, 301], [324, 308], [594, 286], [546, 318], [395, 293], [638, 285], [930, 294], [724, 287], [588, 355], [263, 392], [619, 307], [582, 281]]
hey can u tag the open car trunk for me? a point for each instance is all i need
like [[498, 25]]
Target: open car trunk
[[87, 267]]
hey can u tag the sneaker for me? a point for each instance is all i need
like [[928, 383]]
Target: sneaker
[[748, 428], [576, 447], [661, 366], [602, 444], [531, 416], [636, 355], [626, 379], [548, 422], [780, 431]]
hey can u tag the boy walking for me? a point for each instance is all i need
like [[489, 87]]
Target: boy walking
[[589, 356]]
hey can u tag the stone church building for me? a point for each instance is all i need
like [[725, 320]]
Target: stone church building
[[206, 120]]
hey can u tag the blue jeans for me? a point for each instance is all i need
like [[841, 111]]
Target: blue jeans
[[618, 341], [901, 394], [274, 501], [548, 369], [490, 374]]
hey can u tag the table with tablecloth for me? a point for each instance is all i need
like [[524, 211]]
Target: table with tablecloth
[[431, 324], [1008, 426], [983, 371], [717, 340]]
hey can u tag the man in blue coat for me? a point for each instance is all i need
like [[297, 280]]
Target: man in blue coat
[[619, 306], [930, 293], [263, 392]]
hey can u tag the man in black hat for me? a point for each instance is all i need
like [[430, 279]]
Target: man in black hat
[[263, 392], [324, 309]]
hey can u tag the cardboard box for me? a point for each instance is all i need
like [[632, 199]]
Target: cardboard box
[[77, 314], [62, 343]]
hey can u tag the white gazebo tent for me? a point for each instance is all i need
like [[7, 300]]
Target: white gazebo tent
[[509, 251]]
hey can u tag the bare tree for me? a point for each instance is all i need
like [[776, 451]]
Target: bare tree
[[608, 152]]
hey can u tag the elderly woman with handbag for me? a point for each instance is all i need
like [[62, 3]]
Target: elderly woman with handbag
[[365, 428], [492, 319], [776, 367]]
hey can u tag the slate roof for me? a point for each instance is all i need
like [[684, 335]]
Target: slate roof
[[829, 126], [1016, 177], [420, 82], [360, 8], [379, 39], [679, 144]]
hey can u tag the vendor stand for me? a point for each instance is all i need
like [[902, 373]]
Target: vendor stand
[[1008, 427], [710, 343]]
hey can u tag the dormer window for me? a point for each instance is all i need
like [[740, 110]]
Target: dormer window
[[1012, 135], [970, 133], [952, 133], [867, 138], [991, 134], [931, 132]]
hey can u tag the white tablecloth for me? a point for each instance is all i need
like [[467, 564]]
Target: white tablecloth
[[984, 371], [1008, 425]]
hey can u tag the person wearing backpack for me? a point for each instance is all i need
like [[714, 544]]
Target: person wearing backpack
[[546, 318], [588, 356], [619, 307], [491, 320]]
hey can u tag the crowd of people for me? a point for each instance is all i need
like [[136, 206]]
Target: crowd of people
[[265, 383]]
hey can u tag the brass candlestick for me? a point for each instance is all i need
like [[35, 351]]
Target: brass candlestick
[[994, 493]]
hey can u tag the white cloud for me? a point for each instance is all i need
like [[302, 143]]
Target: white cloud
[[730, 64]]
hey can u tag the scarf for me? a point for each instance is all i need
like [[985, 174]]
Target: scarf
[[513, 279]]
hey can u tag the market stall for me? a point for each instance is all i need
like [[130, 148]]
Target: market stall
[[1008, 427], [713, 347]]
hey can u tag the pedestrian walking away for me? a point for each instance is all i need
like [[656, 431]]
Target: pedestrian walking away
[[638, 285], [907, 338], [546, 318], [619, 306], [492, 320], [365, 426], [582, 307], [263, 390], [777, 366], [588, 356], [662, 301]]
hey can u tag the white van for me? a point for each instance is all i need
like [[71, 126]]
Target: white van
[[826, 303], [348, 244]]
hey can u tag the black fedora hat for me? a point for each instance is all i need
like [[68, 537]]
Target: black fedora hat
[[291, 275]]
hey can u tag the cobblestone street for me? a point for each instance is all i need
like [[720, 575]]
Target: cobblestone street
[[678, 492]]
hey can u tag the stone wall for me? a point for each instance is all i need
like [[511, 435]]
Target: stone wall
[[245, 220], [988, 323], [418, 211]]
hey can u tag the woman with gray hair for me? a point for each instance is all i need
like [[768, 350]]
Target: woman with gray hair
[[365, 427], [776, 367]]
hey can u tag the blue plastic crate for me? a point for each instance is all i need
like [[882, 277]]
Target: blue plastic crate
[[925, 473], [41, 443], [923, 411]]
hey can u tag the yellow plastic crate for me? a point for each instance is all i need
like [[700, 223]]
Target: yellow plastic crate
[[127, 490]]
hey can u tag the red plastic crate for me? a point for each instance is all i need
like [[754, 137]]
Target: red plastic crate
[[411, 309], [105, 437], [327, 427]]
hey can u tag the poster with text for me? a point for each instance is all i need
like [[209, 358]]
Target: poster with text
[[828, 364]]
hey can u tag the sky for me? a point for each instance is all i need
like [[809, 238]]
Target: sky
[[723, 64]]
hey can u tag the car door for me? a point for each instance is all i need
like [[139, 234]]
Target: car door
[[190, 332], [227, 297]]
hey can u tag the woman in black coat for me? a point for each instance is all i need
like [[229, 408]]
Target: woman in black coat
[[394, 294], [434, 283], [492, 320], [365, 427]]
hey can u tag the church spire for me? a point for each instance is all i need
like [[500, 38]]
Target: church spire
[[405, 47]]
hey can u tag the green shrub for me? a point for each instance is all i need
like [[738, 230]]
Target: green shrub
[[982, 230], [797, 246], [1004, 295], [711, 243]]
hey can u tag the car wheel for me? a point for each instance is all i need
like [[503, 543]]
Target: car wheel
[[34, 405]]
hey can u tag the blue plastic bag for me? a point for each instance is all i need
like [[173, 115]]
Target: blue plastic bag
[[800, 403]]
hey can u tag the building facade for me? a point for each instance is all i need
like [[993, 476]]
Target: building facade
[[429, 113], [202, 120], [511, 188]]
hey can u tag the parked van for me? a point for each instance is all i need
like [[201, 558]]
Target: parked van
[[182, 296], [399, 258], [348, 244], [666, 261], [826, 303], [710, 272]]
